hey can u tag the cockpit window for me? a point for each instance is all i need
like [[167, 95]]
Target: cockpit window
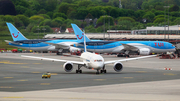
[[97, 60]]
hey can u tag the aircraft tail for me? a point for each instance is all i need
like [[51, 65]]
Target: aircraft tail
[[79, 34], [84, 42], [15, 33]]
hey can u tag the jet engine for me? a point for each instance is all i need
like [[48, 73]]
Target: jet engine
[[68, 66], [74, 49], [144, 51], [118, 66]]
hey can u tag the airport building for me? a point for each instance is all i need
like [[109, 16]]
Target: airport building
[[170, 34], [172, 30]]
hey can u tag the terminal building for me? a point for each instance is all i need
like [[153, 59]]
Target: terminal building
[[170, 34]]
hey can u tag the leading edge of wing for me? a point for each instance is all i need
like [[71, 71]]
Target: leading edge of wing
[[64, 46], [108, 62], [50, 59]]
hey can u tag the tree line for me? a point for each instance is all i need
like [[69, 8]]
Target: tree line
[[91, 15]]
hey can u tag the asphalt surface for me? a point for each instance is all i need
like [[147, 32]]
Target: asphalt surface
[[19, 74]]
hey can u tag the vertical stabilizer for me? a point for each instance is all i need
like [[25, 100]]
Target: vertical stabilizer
[[79, 34], [84, 43], [15, 33]]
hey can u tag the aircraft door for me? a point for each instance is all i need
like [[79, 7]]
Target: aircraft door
[[166, 45], [30, 45], [95, 45]]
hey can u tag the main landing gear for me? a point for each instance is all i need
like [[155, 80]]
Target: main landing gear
[[79, 69]]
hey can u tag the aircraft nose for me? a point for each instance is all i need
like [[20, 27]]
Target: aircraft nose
[[99, 65]]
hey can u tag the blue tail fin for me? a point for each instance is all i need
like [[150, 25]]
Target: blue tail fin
[[15, 33], [79, 33]]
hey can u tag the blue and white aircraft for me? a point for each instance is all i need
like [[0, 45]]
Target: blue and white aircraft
[[20, 41], [142, 47], [90, 61]]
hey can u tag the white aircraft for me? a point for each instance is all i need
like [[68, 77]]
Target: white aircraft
[[90, 61]]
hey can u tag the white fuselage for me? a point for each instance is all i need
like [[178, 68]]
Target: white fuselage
[[92, 60]]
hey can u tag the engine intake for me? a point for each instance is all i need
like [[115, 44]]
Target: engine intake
[[118, 66], [74, 49], [144, 51], [68, 66]]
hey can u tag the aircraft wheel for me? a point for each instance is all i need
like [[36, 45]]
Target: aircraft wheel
[[104, 71], [80, 71], [76, 71]]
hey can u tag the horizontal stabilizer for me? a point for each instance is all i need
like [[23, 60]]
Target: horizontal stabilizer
[[7, 41]]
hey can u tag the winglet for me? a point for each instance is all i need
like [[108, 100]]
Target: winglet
[[15, 33], [79, 34]]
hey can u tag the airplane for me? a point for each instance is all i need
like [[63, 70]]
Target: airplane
[[127, 47], [20, 41], [90, 61]]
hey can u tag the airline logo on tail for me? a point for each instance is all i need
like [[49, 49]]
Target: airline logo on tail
[[80, 37], [15, 36], [15, 33], [79, 34]]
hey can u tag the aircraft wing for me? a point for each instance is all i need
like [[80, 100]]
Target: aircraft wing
[[128, 59], [12, 42], [128, 47], [63, 46], [50, 59]]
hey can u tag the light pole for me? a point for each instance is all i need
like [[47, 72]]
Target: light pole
[[44, 30], [168, 21], [165, 22], [38, 31]]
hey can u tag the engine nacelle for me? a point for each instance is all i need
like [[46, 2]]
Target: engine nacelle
[[118, 66], [144, 51], [74, 49], [68, 66]]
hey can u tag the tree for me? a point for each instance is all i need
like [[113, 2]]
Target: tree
[[8, 18], [96, 11], [36, 17], [159, 20], [42, 11], [50, 14], [149, 16], [23, 3], [174, 8], [177, 21], [51, 5], [28, 13], [55, 15], [85, 3], [114, 12], [7, 7], [126, 18], [45, 22], [125, 24], [24, 19], [82, 13], [63, 8], [105, 18], [45, 16], [20, 9]]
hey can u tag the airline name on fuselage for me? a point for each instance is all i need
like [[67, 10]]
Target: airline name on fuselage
[[30, 41], [159, 44]]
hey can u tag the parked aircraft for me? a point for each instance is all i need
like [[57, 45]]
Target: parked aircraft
[[90, 61], [20, 41], [142, 47]]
